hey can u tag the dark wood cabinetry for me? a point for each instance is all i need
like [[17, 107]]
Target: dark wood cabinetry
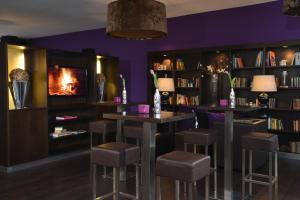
[[25, 134], [243, 61]]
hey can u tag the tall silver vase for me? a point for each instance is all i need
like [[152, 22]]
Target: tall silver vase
[[19, 90], [124, 96], [232, 99], [213, 88], [101, 91], [157, 102]]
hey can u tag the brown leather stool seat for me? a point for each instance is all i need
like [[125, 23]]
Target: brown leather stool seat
[[183, 166], [260, 142], [200, 136], [115, 155]]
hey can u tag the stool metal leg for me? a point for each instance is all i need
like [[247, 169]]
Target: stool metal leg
[[184, 184], [94, 182], [195, 151], [207, 187], [177, 192], [215, 171], [158, 191], [243, 172], [276, 175], [137, 181], [116, 181], [270, 176], [190, 191], [250, 172], [91, 164], [104, 168]]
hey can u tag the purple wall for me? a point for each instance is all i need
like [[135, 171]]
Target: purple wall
[[245, 25]]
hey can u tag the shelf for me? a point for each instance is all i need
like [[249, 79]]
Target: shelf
[[71, 135], [69, 107], [77, 120], [245, 68], [189, 71], [289, 88], [242, 88], [283, 67], [163, 71], [188, 88], [294, 133]]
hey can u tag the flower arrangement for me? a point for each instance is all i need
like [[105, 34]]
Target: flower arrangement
[[123, 81], [154, 78], [221, 69]]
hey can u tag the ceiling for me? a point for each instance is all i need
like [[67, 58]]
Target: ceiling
[[38, 18]]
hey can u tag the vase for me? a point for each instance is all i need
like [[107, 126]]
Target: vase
[[232, 99], [157, 106], [101, 91], [124, 96], [213, 88], [19, 90]]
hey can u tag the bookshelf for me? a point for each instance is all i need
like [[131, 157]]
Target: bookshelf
[[244, 61]]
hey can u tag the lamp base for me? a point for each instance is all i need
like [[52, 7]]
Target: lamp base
[[164, 100], [263, 100]]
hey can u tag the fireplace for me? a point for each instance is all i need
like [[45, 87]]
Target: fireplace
[[67, 81]]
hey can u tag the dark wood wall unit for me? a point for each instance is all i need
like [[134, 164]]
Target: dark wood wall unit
[[27, 134], [110, 70], [4, 140], [282, 110]]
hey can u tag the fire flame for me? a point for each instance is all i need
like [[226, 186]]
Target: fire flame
[[63, 82]]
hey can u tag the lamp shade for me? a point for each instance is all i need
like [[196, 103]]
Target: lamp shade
[[264, 83], [166, 84], [136, 19]]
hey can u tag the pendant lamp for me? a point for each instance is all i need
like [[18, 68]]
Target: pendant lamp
[[291, 7], [136, 19]]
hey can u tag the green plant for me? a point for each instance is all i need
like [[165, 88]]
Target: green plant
[[154, 78]]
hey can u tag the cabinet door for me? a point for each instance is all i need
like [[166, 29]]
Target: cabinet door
[[28, 134]]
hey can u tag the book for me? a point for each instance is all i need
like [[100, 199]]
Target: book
[[67, 117], [259, 59], [297, 58]]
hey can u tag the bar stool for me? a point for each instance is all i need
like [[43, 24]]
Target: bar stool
[[116, 155], [204, 137], [266, 142], [134, 132], [101, 127], [183, 167]]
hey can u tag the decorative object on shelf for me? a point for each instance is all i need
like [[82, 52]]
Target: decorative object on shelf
[[136, 19], [213, 88], [284, 76], [223, 102], [291, 7], [124, 93], [117, 99], [196, 119], [100, 86], [165, 85], [263, 83], [157, 100], [19, 86], [232, 100], [143, 108]]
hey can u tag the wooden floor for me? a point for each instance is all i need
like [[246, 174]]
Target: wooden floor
[[69, 179]]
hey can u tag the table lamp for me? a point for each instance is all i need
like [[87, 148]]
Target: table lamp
[[264, 84], [165, 85]]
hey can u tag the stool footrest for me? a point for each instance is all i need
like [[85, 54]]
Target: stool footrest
[[129, 196], [249, 178], [105, 196]]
